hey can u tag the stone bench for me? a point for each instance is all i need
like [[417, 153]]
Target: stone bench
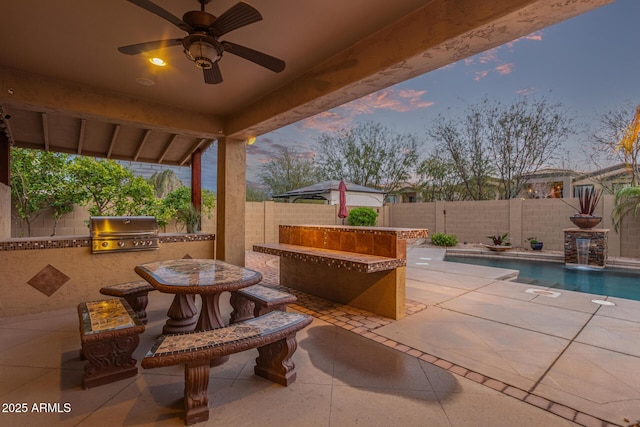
[[136, 294], [273, 334], [256, 300], [109, 332]]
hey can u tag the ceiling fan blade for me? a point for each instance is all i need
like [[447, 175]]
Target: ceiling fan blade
[[212, 75], [237, 16], [267, 61], [135, 49], [162, 13]]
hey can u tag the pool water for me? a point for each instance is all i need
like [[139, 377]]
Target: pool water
[[610, 281]]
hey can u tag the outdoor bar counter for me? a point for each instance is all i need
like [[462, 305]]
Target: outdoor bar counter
[[364, 267], [49, 273]]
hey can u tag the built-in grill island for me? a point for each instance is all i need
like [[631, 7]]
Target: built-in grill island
[[123, 234]]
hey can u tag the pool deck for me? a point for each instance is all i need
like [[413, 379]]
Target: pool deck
[[476, 349]]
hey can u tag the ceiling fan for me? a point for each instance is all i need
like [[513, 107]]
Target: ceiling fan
[[201, 45]]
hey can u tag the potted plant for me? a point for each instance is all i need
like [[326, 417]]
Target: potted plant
[[536, 245], [588, 199], [500, 242]]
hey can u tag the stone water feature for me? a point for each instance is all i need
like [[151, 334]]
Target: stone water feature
[[586, 247]]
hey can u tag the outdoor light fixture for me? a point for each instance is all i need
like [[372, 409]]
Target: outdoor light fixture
[[251, 140], [203, 50]]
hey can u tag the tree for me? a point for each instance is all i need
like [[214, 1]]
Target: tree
[[368, 154], [464, 147], [164, 182], [438, 179], [286, 171], [41, 181], [179, 201], [112, 189], [256, 193], [616, 140], [513, 141], [627, 202]]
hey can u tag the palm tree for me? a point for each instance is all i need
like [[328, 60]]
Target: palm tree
[[627, 201]]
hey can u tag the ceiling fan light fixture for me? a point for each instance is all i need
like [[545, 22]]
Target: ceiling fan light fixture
[[158, 61], [203, 53]]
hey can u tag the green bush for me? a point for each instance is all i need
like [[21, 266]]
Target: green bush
[[362, 216], [441, 239]]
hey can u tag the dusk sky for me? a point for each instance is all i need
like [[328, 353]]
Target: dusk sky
[[590, 64]]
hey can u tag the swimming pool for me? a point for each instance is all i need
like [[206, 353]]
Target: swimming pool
[[610, 281]]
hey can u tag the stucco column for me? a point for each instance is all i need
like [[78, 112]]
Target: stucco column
[[5, 190], [5, 155], [196, 183], [230, 212]]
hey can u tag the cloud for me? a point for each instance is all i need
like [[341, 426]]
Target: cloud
[[492, 56], [480, 75], [504, 68], [526, 91], [397, 100]]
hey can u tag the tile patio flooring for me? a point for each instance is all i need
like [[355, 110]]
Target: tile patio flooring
[[475, 350]]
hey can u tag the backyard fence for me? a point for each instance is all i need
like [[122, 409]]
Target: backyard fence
[[544, 219]]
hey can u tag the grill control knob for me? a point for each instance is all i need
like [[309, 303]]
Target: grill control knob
[[135, 243], [121, 244], [105, 244]]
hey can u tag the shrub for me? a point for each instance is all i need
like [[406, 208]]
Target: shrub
[[362, 216], [441, 239]]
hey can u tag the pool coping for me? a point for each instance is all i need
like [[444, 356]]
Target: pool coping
[[549, 256]]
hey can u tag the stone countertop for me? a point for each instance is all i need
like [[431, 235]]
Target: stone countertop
[[58, 242], [400, 232]]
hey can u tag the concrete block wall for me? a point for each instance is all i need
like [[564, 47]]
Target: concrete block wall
[[473, 221], [414, 215], [469, 221], [629, 237], [546, 219]]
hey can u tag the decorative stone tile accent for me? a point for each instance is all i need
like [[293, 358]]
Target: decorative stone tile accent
[[265, 293], [178, 238], [348, 260], [24, 244], [48, 280], [106, 315]]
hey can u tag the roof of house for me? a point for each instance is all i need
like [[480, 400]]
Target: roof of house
[[325, 187]]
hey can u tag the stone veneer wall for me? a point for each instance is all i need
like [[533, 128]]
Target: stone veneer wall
[[598, 248]]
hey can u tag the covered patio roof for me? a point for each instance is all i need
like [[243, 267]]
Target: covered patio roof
[[64, 86]]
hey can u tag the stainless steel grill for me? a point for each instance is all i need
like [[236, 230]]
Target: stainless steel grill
[[123, 234]]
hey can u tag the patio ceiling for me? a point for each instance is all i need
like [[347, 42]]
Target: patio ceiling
[[67, 88]]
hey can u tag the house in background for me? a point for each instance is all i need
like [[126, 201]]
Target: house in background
[[565, 183], [549, 183], [328, 193], [611, 179]]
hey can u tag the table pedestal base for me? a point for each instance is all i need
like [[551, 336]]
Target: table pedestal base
[[182, 315]]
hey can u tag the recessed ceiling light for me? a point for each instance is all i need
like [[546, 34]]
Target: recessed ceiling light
[[145, 82], [158, 61]]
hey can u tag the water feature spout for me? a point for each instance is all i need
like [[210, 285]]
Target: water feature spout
[[582, 251]]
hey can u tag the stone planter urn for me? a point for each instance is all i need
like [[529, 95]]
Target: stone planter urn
[[585, 221]]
